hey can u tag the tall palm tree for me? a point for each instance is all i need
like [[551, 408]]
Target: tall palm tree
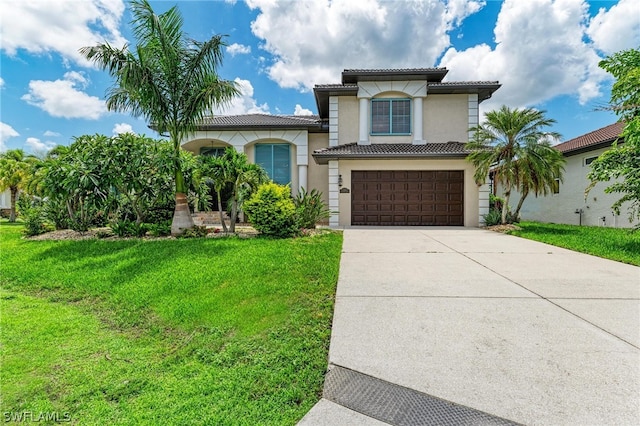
[[539, 167], [15, 169], [501, 141], [168, 79]]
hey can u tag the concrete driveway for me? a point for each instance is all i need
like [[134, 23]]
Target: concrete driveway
[[494, 324]]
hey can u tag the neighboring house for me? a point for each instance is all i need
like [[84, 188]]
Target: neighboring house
[[568, 204], [387, 148], [5, 203]]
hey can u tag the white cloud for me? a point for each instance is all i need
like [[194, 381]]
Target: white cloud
[[61, 26], [50, 133], [1, 82], [61, 98], [616, 29], [119, 128], [321, 38], [36, 146], [540, 53], [302, 111], [244, 104], [6, 132], [238, 49]]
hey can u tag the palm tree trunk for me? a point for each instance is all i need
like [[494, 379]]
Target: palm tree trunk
[[181, 215], [505, 207], [14, 197], [224, 224], [234, 215], [524, 195]]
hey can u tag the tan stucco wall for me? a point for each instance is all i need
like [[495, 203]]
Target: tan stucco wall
[[446, 118], [347, 119], [317, 174], [561, 207], [471, 192]]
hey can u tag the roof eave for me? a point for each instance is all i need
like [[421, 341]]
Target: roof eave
[[592, 147], [325, 158]]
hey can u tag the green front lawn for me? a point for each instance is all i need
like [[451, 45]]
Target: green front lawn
[[611, 243], [195, 331]]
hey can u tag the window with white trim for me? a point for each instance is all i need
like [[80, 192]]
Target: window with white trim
[[274, 158], [390, 116], [556, 186], [216, 151]]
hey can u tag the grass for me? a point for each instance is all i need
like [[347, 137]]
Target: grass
[[618, 244], [196, 331]]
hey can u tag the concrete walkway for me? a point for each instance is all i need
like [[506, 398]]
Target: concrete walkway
[[517, 329]]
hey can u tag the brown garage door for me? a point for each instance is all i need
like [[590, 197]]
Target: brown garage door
[[407, 197]]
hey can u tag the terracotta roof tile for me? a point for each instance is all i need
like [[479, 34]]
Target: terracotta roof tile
[[260, 120], [394, 150], [392, 70], [606, 134]]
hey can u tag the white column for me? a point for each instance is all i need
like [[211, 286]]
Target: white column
[[418, 139], [473, 113], [363, 138], [483, 202], [333, 121], [334, 194], [302, 176]]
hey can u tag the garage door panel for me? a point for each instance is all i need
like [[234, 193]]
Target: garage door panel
[[413, 197]]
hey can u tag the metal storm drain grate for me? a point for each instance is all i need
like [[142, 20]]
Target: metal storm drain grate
[[398, 405]]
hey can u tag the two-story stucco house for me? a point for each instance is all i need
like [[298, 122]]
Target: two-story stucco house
[[386, 148]]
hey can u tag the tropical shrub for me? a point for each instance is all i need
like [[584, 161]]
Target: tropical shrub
[[195, 232], [160, 229], [310, 209], [494, 217], [128, 228], [271, 210], [34, 223]]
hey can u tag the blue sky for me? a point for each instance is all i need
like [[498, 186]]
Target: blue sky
[[544, 52]]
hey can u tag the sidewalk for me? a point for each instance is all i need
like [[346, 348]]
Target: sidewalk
[[497, 325]]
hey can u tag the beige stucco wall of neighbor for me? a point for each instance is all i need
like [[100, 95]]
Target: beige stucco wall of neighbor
[[471, 190], [5, 199], [318, 174], [446, 118], [347, 119], [560, 208]]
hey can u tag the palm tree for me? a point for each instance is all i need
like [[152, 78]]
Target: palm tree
[[15, 169], [168, 79], [213, 169], [244, 178], [539, 167], [501, 141]]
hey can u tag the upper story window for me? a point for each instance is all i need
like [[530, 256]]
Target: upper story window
[[275, 160], [390, 116], [589, 160]]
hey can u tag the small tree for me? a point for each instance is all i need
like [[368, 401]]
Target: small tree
[[213, 170], [501, 141], [244, 178], [622, 161], [15, 169]]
